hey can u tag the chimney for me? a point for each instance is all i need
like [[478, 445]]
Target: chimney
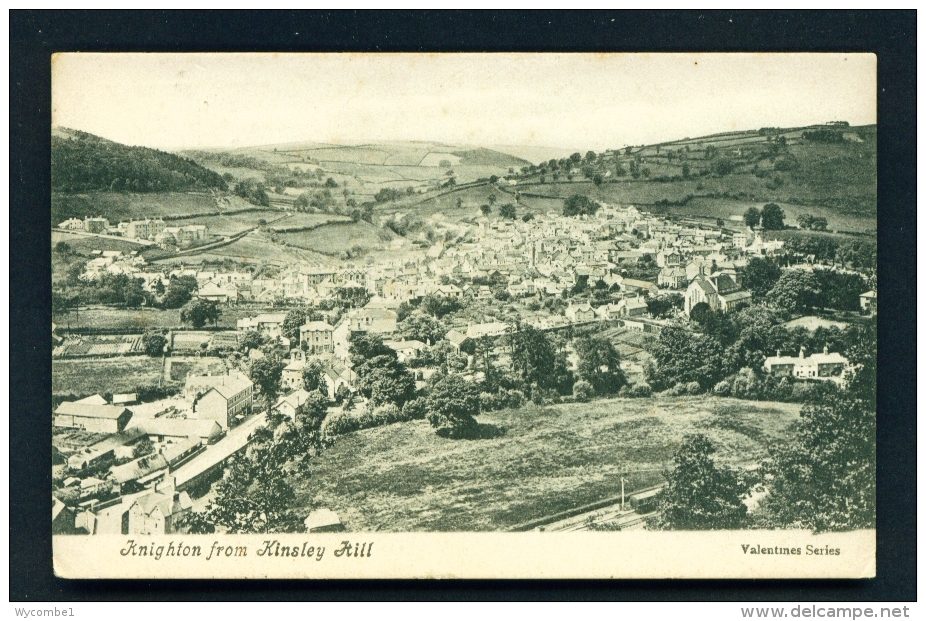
[[802, 353], [826, 349]]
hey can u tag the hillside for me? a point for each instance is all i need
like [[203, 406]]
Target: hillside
[[403, 477], [82, 162], [823, 170]]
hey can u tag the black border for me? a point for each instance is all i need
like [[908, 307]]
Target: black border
[[34, 35]]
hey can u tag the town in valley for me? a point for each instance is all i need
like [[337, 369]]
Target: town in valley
[[409, 336]]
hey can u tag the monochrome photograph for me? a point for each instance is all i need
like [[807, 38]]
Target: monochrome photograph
[[388, 315]]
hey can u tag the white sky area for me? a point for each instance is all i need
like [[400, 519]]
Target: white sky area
[[580, 101]]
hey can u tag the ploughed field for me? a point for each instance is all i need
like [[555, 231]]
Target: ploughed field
[[403, 477]]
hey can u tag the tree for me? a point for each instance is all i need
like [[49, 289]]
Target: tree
[[438, 306], [180, 290], [251, 339], [527, 217], [485, 209], [154, 344], [266, 372], [508, 210], [824, 479], [760, 275], [313, 377], [597, 179], [773, 217], [199, 312], [313, 411], [600, 364], [682, 355], [295, 319], [452, 404], [533, 357], [331, 183], [365, 346], [422, 327], [686, 170], [590, 156], [796, 292], [383, 379], [578, 204], [699, 495], [752, 217], [663, 306]]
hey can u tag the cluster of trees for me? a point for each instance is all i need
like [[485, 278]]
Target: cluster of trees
[[252, 191], [508, 210], [87, 163], [578, 204], [722, 344], [831, 136], [771, 217], [392, 194], [856, 253], [799, 291], [814, 223], [199, 312]]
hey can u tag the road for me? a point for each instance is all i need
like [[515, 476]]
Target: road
[[131, 240]]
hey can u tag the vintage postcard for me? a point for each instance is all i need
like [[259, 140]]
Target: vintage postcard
[[464, 315]]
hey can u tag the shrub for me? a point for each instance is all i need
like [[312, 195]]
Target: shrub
[[416, 409], [583, 391], [386, 415], [723, 388], [624, 391], [693, 388], [641, 389]]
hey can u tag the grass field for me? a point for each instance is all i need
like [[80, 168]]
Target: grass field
[[115, 375], [117, 206], [253, 248], [181, 366], [230, 224], [136, 320], [404, 477], [335, 238]]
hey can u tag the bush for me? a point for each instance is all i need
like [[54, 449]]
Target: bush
[[723, 388], [693, 388], [641, 389], [624, 391], [582, 391], [340, 423], [416, 409]]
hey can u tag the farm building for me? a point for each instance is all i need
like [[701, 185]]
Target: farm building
[[91, 417]]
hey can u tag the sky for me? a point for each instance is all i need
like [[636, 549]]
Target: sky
[[569, 101]]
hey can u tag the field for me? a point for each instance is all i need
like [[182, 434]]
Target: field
[[254, 248], [336, 238], [180, 367], [114, 375], [85, 244], [305, 220], [230, 224], [141, 319], [404, 477]]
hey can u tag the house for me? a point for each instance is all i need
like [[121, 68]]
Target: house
[[825, 366], [91, 417], [377, 320], [869, 302], [225, 399], [668, 258], [63, 518], [405, 350], [222, 293], [158, 513], [719, 292], [337, 377], [457, 339], [292, 372], [72, 224], [292, 404], [96, 225], [633, 307], [269, 324], [492, 328], [580, 313], [672, 278], [448, 291], [125, 398], [317, 337]]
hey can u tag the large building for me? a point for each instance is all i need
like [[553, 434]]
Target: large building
[[226, 399], [719, 291], [316, 337], [142, 229], [92, 417]]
